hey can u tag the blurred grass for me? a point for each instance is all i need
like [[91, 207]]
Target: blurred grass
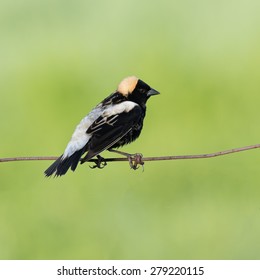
[[59, 59]]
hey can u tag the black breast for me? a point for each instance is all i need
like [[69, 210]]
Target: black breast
[[133, 134]]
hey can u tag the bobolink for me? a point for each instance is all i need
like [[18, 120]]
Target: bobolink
[[116, 121]]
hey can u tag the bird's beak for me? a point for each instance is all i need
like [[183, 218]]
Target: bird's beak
[[152, 92]]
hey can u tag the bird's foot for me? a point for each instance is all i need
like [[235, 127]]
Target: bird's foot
[[134, 159], [100, 163]]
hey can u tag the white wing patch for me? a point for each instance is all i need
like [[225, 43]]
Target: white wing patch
[[80, 138], [125, 106]]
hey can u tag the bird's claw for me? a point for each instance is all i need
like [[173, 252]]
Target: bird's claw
[[135, 160], [100, 163]]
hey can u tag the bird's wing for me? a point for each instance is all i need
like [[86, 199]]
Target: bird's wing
[[111, 126]]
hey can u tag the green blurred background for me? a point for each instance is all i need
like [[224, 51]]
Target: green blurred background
[[58, 59]]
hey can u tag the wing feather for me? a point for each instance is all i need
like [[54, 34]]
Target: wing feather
[[108, 129]]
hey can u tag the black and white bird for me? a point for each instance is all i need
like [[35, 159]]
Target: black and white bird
[[116, 121]]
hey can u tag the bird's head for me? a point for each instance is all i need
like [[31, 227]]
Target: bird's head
[[136, 90]]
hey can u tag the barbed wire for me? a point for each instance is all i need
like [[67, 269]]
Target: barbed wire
[[156, 158]]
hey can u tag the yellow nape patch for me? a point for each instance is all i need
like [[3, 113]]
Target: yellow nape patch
[[127, 85]]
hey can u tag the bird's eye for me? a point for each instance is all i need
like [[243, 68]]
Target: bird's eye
[[142, 90]]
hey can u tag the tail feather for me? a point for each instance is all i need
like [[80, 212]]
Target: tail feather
[[51, 169], [62, 165]]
